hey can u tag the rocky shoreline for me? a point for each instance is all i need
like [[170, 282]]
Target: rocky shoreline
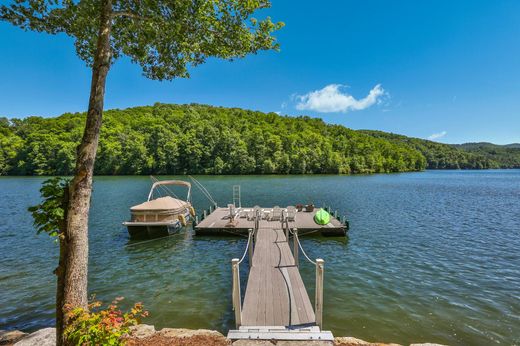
[[146, 335]]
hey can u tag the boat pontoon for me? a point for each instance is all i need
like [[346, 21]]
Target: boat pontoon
[[160, 216]]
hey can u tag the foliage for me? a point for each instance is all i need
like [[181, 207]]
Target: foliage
[[9, 146], [97, 326], [454, 156], [506, 155], [49, 215], [163, 37], [199, 139]]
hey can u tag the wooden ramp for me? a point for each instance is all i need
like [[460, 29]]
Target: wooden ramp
[[275, 293], [276, 304]]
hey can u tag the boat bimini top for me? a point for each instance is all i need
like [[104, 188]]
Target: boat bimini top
[[162, 183], [165, 204]]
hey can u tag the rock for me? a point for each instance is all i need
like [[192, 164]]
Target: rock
[[42, 337], [142, 331], [9, 337], [179, 337], [189, 333], [350, 341], [304, 343]]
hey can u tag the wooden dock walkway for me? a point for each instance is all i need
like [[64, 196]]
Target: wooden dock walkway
[[276, 303], [275, 295]]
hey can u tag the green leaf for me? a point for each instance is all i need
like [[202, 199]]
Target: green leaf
[[48, 216], [164, 37]]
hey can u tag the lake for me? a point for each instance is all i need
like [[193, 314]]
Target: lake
[[430, 257]]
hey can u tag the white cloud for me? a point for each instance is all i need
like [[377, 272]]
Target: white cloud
[[332, 99], [437, 135]]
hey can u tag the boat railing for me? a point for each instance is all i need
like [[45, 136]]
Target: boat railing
[[162, 184], [204, 191]]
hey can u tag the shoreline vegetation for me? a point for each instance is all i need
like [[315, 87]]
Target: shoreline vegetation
[[201, 139]]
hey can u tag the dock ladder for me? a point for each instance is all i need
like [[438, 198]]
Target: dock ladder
[[236, 196]]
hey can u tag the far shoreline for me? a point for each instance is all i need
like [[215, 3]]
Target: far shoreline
[[278, 175]]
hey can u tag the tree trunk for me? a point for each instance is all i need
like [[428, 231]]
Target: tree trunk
[[76, 235], [60, 273]]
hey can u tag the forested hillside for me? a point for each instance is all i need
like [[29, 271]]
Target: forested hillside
[[199, 139], [505, 155], [458, 156]]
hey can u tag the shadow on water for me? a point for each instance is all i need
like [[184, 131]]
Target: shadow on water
[[184, 234]]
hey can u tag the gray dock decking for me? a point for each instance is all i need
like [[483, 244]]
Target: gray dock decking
[[275, 292], [218, 223], [276, 303]]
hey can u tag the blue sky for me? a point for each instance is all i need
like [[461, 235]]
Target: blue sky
[[448, 70]]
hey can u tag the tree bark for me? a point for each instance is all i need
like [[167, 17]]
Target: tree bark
[[60, 273], [76, 235]]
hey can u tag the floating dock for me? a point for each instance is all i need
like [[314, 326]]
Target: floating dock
[[276, 303], [225, 221]]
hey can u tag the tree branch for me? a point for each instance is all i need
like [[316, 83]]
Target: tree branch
[[127, 14]]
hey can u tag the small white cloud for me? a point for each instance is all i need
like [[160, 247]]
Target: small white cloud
[[278, 112], [332, 99], [437, 135]]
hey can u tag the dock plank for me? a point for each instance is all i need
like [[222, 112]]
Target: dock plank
[[299, 292], [275, 292]]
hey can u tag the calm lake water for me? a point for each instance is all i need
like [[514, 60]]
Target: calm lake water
[[431, 256]]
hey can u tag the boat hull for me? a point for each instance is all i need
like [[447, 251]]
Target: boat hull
[[150, 230]]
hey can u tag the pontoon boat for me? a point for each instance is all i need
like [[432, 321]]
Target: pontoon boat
[[160, 216]]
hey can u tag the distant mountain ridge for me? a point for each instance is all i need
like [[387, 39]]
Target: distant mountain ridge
[[487, 144], [504, 155], [477, 155], [201, 139], [470, 145]]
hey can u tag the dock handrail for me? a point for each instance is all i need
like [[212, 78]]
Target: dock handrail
[[247, 247], [295, 234], [235, 267], [320, 266]]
